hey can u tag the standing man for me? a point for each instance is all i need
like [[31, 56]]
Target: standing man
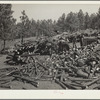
[[74, 40], [81, 37]]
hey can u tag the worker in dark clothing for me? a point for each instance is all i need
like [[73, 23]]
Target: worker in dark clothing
[[81, 39], [74, 41]]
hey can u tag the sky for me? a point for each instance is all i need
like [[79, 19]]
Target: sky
[[51, 11]]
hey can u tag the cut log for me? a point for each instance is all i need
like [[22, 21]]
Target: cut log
[[28, 55], [82, 74], [5, 86], [42, 65], [47, 76], [94, 81], [79, 79], [7, 78], [40, 75], [71, 86], [61, 84], [28, 80]]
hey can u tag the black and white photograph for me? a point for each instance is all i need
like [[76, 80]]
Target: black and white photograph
[[49, 46]]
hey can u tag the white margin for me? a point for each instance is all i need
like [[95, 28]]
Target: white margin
[[50, 94], [51, 2]]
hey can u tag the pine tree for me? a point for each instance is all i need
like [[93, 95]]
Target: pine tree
[[87, 21], [81, 19], [5, 22], [72, 22], [97, 19], [25, 25], [61, 22]]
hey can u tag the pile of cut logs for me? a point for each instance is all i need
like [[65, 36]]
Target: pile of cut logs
[[74, 69], [68, 77]]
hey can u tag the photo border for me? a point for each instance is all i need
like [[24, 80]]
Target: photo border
[[50, 94]]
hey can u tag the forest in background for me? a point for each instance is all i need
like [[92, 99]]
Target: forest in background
[[72, 22]]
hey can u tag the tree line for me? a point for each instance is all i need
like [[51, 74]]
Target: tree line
[[10, 29]]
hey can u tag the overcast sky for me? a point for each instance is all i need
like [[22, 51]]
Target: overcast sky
[[50, 11]]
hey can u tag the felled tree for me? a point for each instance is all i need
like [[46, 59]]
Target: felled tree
[[5, 22]]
